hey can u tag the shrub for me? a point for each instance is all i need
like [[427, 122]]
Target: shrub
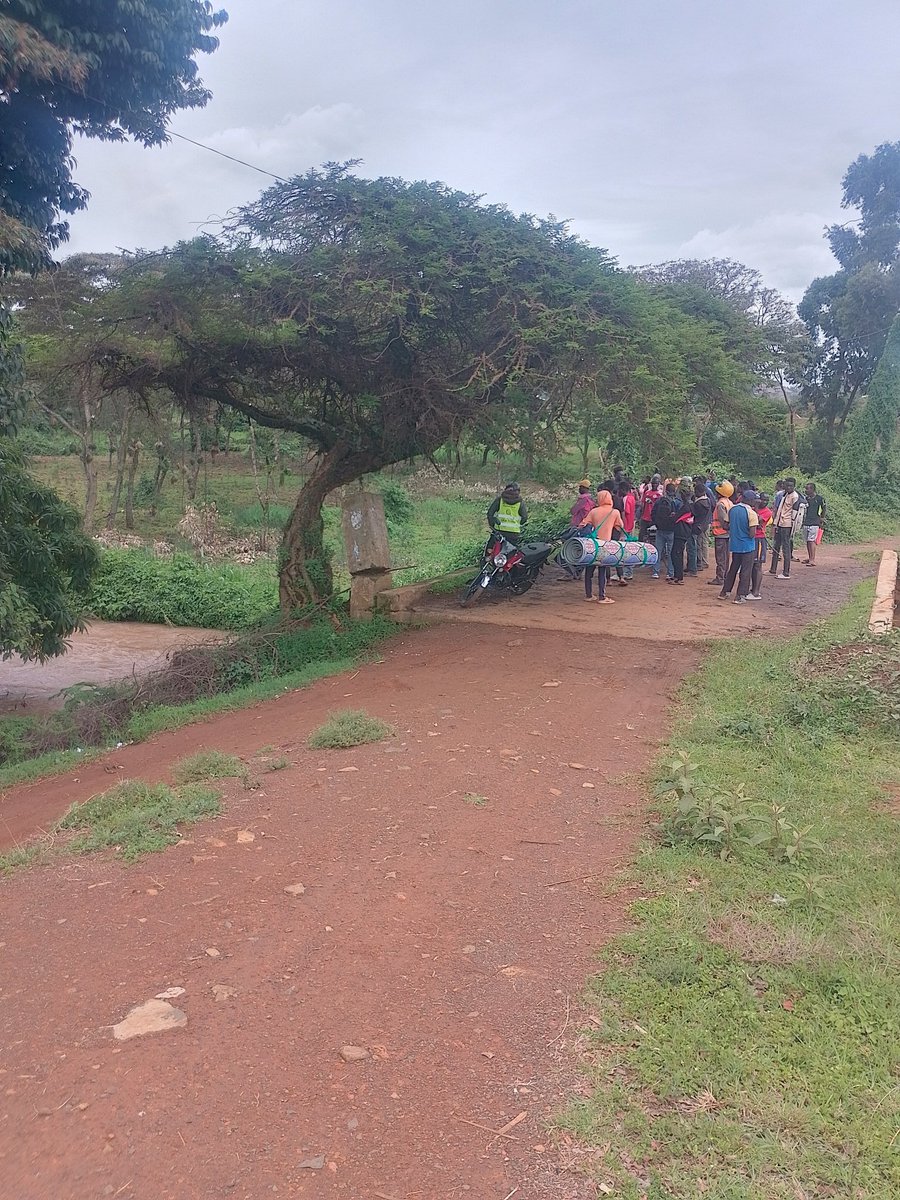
[[348, 728], [398, 506], [132, 585]]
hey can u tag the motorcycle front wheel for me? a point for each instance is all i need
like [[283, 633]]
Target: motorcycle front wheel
[[472, 592]]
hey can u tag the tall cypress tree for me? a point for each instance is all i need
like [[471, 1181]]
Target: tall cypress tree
[[867, 463]]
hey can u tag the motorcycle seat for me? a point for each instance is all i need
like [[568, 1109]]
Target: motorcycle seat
[[534, 550]]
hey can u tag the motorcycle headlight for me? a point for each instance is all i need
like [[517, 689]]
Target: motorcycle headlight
[[501, 560]]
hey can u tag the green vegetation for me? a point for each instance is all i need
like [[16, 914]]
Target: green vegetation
[[867, 459], [65, 67], [46, 563], [134, 586], [206, 765], [745, 1036], [136, 818], [475, 799], [351, 727]]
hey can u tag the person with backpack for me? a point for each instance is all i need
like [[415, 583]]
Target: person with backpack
[[663, 515], [789, 515], [649, 496], [720, 532]]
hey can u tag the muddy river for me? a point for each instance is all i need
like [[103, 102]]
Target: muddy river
[[107, 652]]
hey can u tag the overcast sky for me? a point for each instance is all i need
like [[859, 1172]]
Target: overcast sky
[[660, 128]]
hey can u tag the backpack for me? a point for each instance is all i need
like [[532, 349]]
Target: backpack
[[663, 514]]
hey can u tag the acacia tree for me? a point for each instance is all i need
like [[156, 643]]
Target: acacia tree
[[375, 318], [758, 329]]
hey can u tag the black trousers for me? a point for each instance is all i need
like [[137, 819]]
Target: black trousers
[[784, 546], [679, 547], [740, 568]]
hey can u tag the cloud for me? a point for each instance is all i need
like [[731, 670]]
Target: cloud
[[660, 129]]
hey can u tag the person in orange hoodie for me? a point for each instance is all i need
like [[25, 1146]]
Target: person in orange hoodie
[[602, 522]]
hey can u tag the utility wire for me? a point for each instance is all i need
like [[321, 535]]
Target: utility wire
[[221, 153], [82, 95]]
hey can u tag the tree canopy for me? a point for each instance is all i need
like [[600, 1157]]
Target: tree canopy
[[102, 69], [850, 312], [380, 319], [46, 563]]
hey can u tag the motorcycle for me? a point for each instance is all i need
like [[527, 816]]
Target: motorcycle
[[508, 568]]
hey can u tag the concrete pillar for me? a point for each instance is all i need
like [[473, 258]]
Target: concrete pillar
[[368, 551]]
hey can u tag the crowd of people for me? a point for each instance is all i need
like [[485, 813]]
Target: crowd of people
[[681, 517]]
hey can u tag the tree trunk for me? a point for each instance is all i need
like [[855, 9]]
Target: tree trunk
[[305, 575], [792, 418], [262, 541], [129, 486], [121, 458], [89, 466], [162, 470], [486, 455], [195, 458], [586, 452]]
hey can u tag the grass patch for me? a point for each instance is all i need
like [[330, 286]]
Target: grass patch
[[206, 765], [352, 727], [475, 800], [21, 856], [746, 1030], [136, 818]]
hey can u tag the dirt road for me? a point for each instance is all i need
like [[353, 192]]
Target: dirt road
[[657, 611], [459, 879]]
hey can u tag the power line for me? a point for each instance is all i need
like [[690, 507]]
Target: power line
[[221, 153], [82, 95]]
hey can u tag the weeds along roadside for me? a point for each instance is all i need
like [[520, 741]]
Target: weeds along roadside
[[743, 1037], [197, 681]]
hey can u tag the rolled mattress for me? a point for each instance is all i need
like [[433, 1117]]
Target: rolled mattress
[[583, 552]]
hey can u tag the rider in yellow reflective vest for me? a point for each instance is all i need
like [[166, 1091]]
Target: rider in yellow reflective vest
[[508, 514]]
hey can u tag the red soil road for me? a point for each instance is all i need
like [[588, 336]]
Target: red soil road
[[432, 927], [450, 938]]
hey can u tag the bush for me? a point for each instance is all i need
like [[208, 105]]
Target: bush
[[398, 506], [132, 585]]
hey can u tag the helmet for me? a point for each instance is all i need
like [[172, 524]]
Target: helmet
[[725, 489]]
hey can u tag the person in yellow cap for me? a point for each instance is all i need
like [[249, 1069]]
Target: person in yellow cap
[[721, 531]]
